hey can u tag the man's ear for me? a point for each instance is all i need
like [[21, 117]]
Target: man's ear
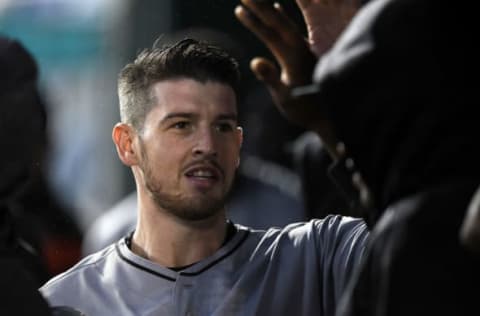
[[123, 136]]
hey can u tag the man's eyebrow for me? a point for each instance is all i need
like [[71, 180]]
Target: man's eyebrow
[[228, 117], [174, 115], [188, 115]]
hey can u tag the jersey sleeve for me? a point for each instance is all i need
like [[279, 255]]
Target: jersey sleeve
[[340, 245]]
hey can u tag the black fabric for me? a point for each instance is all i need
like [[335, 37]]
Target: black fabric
[[18, 290], [20, 270], [415, 264], [320, 194], [399, 89], [12, 245]]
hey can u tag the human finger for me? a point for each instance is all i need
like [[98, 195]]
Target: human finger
[[268, 23], [293, 34], [266, 71], [291, 52], [268, 13], [265, 33]]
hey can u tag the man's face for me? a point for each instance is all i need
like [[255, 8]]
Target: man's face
[[189, 147]]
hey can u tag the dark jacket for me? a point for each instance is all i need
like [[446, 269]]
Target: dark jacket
[[399, 89]]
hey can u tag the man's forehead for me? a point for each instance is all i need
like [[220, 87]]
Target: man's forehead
[[190, 93], [193, 99], [179, 84]]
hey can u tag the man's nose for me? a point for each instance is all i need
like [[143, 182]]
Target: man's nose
[[205, 143]]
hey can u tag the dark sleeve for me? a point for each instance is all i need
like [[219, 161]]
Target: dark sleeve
[[18, 291]]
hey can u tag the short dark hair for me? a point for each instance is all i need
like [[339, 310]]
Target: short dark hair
[[187, 58]]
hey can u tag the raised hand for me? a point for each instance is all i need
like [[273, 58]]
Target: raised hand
[[293, 54], [290, 49]]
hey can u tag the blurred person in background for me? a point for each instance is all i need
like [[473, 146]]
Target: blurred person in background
[[37, 240], [34, 215]]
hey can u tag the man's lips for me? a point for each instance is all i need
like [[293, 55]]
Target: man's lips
[[202, 170]]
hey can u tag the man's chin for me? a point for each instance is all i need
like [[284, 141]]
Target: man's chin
[[197, 215], [195, 208]]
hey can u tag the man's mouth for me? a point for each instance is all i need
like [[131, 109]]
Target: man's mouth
[[203, 177], [204, 169], [205, 173]]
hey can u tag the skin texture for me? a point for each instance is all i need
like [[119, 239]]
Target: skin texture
[[183, 160]]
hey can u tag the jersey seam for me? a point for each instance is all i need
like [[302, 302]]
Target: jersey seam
[[145, 269], [189, 274], [211, 264]]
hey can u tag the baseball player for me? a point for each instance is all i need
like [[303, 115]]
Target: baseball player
[[180, 136]]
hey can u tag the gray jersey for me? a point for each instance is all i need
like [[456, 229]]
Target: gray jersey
[[298, 270]]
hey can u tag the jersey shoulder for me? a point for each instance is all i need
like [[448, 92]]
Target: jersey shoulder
[[331, 226], [86, 268], [318, 235]]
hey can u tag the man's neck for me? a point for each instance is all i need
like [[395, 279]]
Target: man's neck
[[172, 242]]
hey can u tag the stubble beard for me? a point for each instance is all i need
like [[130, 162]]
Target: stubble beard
[[196, 208]]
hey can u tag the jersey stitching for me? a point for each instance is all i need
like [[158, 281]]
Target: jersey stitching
[[182, 273], [219, 259], [138, 266]]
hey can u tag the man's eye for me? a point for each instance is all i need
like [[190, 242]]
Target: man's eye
[[181, 125], [224, 127]]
